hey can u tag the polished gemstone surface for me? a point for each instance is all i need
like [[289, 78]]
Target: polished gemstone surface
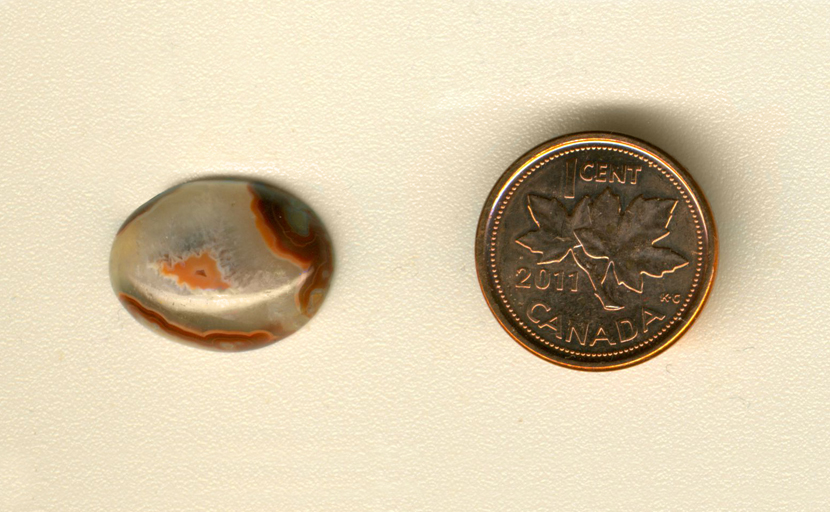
[[222, 264]]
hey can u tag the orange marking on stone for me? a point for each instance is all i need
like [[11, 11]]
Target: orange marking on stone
[[271, 239], [198, 271], [212, 339], [311, 252]]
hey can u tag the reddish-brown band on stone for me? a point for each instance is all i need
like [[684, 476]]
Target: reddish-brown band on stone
[[210, 339], [310, 252]]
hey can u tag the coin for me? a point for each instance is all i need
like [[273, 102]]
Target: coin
[[596, 251]]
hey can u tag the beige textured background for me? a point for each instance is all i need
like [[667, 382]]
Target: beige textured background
[[394, 120]]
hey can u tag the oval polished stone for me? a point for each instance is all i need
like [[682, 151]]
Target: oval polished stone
[[223, 264]]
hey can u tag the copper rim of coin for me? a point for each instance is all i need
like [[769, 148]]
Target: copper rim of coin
[[501, 192]]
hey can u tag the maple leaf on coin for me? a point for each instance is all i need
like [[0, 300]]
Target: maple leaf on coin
[[627, 239], [554, 236]]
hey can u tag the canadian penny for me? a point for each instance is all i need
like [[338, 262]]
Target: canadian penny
[[596, 251]]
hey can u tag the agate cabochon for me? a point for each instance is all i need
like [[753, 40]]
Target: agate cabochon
[[222, 264]]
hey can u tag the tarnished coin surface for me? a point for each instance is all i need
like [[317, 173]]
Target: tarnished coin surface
[[596, 251]]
